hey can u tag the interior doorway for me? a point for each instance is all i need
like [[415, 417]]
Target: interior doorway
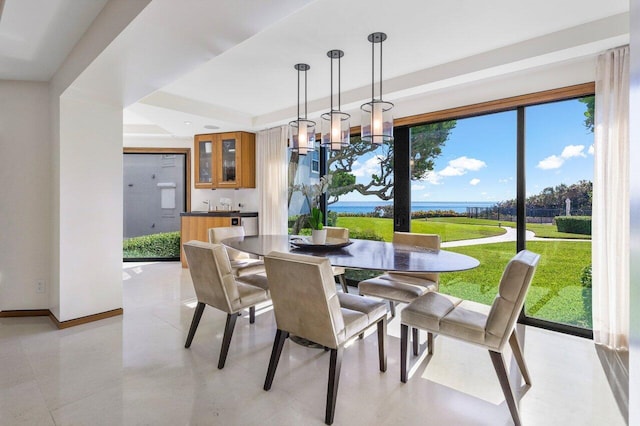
[[156, 189]]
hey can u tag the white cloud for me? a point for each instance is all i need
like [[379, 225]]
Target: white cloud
[[426, 195], [371, 166], [456, 167], [573, 151], [569, 151], [417, 187], [451, 171], [552, 162], [591, 149], [474, 181], [506, 180], [432, 177], [465, 163]]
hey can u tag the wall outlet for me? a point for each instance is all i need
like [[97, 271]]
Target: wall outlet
[[41, 286]]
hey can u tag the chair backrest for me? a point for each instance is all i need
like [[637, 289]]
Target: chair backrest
[[212, 275], [428, 241], [223, 232], [337, 232], [305, 301], [508, 303]]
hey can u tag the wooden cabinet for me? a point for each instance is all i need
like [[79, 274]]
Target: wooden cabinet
[[225, 160], [197, 228]]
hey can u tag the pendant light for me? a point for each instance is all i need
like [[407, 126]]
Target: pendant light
[[377, 120], [335, 123], [302, 132]]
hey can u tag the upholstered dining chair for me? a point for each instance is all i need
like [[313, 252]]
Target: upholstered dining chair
[[306, 304], [338, 271], [488, 326], [403, 287], [217, 286], [241, 262]]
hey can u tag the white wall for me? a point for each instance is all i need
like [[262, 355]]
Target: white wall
[[90, 176], [634, 299], [25, 234], [113, 18]]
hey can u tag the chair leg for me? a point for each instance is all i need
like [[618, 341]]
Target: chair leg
[[517, 353], [278, 343], [226, 339], [343, 283], [332, 389], [382, 343], [194, 323], [404, 343], [392, 308], [416, 342], [501, 371], [252, 315], [429, 343]]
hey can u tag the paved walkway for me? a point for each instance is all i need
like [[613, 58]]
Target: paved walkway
[[510, 235]]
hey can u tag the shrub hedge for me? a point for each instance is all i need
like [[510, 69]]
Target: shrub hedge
[[166, 244], [574, 224], [365, 234]]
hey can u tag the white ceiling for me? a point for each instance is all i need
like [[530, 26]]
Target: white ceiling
[[242, 76], [37, 35]]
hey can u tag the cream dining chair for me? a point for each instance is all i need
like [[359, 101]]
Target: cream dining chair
[[306, 304], [338, 271], [241, 262], [488, 326], [403, 287], [217, 286]]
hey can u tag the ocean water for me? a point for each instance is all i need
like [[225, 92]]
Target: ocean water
[[369, 206]]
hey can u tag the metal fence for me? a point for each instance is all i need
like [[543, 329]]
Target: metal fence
[[534, 215]]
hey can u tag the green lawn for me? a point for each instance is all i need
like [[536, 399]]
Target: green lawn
[[447, 231], [556, 293], [541, 230]]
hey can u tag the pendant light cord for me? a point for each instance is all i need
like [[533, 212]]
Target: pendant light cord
[[298, 95]]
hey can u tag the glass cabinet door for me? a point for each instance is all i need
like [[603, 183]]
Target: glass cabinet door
[[228, 159], [204, 152]]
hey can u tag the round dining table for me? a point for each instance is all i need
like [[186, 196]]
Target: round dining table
[[360, 254]]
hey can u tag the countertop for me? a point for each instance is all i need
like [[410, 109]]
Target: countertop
[[220, 213]]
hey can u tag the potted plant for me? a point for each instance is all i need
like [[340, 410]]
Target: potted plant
[[318, 234]]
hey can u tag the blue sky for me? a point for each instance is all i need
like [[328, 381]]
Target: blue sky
[[478, 160]]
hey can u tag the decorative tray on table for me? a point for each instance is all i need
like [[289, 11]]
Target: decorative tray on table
[[330, 243]]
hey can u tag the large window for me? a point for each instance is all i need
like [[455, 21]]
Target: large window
[[464, 183], [303, 176], [362, 189], [458, 192], [559, 167]]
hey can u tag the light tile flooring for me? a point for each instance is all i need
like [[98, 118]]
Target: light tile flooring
[[134, 370]]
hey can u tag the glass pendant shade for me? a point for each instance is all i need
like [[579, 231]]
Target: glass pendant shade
[[302, 136], [336, 130], [377, 119], [302, 132], [377, 122]]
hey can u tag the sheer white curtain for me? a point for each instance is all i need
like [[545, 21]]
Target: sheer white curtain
[[272, 182], [611, 201]]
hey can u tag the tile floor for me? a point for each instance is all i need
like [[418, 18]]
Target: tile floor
[[134, 370]]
